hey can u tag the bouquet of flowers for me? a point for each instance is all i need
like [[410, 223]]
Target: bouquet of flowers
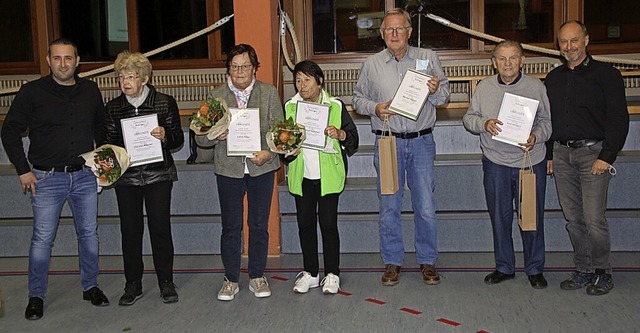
[[212, 118], [108, 163], [286, 137]]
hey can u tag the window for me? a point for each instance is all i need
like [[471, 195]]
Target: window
[[352, 26], [103, 28], [16, 27], [527, 21], [612, 24], [430, 34]]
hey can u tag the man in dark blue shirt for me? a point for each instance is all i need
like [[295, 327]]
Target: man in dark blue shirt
[[590, 124]]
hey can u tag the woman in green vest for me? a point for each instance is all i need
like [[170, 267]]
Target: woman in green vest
[[316, 178]]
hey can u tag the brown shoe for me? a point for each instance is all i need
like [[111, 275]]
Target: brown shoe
[[391, 275], [429, 274]]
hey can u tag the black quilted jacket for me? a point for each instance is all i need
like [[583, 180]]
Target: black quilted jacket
[[166, 108]]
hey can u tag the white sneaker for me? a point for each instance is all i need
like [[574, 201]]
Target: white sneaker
[[304, 281], [228, 291], [330, 284], [260, 287]]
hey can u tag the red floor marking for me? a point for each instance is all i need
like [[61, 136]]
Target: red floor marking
[[375, 301], [483, 331], [411, 311], [448, 322], [344, 293], [275, 277]]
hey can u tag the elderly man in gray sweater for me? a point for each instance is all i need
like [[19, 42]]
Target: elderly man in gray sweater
[[501, 162]]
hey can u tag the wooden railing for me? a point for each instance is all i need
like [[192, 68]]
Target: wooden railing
[[191, 88]]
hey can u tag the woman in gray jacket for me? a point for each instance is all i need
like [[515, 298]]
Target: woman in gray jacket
[[237, 175]]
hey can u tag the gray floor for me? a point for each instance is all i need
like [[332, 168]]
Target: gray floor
[[461, 303]]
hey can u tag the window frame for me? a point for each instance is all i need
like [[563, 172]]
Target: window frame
[[478, 49], [48, 11]]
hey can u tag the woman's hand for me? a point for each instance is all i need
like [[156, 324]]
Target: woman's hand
[[158, 133], [261, 157], [335, 133], [223, 136]]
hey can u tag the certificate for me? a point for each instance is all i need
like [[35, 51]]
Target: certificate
[[411, 94], [244, 132], [516, 114], [140, 145], [315, 118]]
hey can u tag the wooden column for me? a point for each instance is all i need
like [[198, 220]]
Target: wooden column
[[256, 23]]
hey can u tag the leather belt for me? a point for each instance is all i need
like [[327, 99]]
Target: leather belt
[[579, 143], [405, 135], [65, 169]]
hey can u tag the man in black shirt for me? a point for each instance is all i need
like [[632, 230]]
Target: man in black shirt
[[63, 115], [590, 124]]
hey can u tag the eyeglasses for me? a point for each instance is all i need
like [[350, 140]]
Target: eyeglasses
[[128, 78], [398, 30], [244, 67]]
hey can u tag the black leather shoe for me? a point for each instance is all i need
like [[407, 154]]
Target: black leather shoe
[[497, 277], [538, 281], [96, 296], [35, 308]]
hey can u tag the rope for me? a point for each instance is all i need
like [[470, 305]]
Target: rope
[[529, 47], [286, 24], [208, 29]]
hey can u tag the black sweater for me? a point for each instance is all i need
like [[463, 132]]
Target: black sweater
[[63, 122], [588, 102]]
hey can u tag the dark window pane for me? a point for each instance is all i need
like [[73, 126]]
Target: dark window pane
[[527, 21], [347, 26], [227, 30], [612, 22], [162, 22], [98, 27], [15, 26], [430, 34]]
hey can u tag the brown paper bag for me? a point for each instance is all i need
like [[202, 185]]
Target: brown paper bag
[[388, 163], [527, 196]]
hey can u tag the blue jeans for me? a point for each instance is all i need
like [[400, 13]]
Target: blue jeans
[[415, 165], [583, 198], [501, 192], [79, 189], [231, 191]]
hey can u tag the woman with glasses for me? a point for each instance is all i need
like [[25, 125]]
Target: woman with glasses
[[147, 185], [237, 175]]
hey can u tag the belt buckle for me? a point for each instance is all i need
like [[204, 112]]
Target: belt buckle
[[570, 143]]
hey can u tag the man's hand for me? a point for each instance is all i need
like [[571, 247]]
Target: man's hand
[[491, 126], [433, 84], [529, 144], [28, 182], [550, 167], [382, 110], [599, 167]]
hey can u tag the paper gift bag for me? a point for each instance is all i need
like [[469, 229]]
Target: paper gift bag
[[527, 196], [388, 159]]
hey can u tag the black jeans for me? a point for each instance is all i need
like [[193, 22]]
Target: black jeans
[[157, 201], [311, 207]]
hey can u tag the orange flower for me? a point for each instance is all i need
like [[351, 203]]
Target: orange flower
[[204, 109]]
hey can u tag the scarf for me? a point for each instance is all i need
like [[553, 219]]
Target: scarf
[[242, 97]]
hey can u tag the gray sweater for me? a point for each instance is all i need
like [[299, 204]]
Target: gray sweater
[[266, 98], [485, 105]]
